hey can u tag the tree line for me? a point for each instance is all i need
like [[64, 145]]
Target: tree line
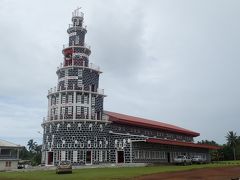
[[228, 151]]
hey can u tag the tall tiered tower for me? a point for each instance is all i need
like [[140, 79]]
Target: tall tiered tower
[[75, 105]]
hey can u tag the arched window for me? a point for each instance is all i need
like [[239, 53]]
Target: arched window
[[100, 144], [90, 127], [101, 127], [89, 144], [68, 127], [75, 143], [79, 126], [58, 126]]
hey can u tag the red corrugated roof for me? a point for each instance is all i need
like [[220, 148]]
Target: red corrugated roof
[[131, 120], [180, 143]]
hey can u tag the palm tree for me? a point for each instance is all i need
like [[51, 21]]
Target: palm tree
[[232, 139], [31, 145]]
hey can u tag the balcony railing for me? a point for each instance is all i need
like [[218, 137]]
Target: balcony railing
[[90, 66], [76, 88], [72, 46]]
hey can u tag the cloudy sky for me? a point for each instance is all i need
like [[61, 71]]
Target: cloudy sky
[[176, 61]]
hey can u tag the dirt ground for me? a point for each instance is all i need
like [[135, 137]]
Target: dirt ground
[[226, 173]]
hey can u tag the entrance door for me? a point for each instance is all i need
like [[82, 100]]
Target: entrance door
[[120, 157], [169, 157], [89, 157], [50, 158]]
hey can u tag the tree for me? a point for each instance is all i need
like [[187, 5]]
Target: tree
[[31, 145], [232, 140]]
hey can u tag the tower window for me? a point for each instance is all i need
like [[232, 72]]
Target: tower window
[[77, 40], [78, 110], [101, 127], [70, 110], [63, 99], [58, 126], [89, 144], [80, 72], [90, 127], [68, 127], [85, 99], [79, 126], [78, 98], [93, 101], [70, 98], [79, 82]]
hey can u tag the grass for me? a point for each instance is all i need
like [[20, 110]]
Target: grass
[[107, 173]]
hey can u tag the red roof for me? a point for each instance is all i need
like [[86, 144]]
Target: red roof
[[137, 121], [180, 143]]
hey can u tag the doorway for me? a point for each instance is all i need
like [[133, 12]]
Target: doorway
[[50, 158], [89, 157], [120, 157], [169, 157]]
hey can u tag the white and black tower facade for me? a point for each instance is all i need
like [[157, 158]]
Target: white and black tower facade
[[75, 105]]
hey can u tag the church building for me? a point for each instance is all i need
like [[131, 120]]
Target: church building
[[78, 130]]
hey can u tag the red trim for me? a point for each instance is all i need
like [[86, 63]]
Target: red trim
[[131, 120], [179, 143]]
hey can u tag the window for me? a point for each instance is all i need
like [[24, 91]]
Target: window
[[93, 101], [79, 126], [63, 99], [63, 110], [75, 154], [100, 156], [70, 110], [100, 144], [95, 144], [76, 144], [69, 145], [78, 110], [79, 97], [82, 145], [80, 72], [63, 155], [106, 155], [136, 154], [90, 127], [89, 144], [50, 128], [101, 127], [56, 111], [68, 127], [95, 155], [77, 40], [79, 82], [70, 98], [85, 111], [57, 100], [85, 99], [8, 164], [58, 126]]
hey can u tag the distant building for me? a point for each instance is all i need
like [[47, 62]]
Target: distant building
[[77, 129], [9, 155]]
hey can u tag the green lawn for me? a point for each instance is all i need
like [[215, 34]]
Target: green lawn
[[106, 173]]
